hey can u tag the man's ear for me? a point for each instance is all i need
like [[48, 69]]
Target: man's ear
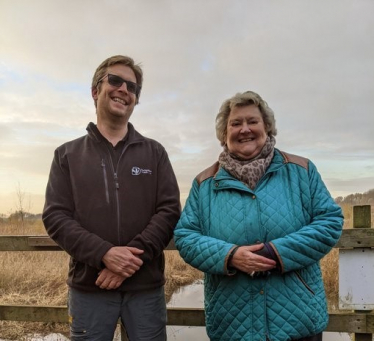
[[94, 93]]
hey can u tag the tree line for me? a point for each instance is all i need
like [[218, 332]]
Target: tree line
[[366, 198]]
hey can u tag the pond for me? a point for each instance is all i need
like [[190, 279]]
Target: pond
[[192, 296]]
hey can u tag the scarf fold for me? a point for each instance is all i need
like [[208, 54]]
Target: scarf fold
[[248, 171]]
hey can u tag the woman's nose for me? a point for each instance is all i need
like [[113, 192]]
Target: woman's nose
[[245, 128]]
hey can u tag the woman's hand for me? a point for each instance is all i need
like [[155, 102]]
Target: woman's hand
[[246, 261]]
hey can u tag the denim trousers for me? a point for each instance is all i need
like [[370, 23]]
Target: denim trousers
[[94, 316]]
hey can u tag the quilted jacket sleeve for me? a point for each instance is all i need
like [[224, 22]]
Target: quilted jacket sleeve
[[205, 253], [313, 241]]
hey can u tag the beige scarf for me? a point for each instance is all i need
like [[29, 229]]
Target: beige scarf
[[248, 171]]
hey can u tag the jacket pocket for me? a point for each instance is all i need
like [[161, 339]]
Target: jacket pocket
[[304, 283]]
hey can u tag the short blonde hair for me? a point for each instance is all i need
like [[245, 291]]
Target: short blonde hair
[[242, 100], [124, 60]]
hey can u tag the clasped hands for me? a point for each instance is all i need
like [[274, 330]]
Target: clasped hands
[[246, 260], [121, 262]]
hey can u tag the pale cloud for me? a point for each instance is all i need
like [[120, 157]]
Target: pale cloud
[[312, 62]]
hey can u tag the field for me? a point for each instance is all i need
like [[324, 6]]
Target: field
[[38, 278]]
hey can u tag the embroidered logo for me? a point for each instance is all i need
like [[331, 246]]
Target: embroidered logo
[[138, 171]]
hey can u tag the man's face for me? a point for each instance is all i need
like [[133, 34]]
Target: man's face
[[115, 103]]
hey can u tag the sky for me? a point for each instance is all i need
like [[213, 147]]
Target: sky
[[312, 61]]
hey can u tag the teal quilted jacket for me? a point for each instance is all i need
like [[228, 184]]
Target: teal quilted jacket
[[291, 208]]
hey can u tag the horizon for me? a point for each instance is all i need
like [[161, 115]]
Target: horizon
[[7, 215], [311, 61]]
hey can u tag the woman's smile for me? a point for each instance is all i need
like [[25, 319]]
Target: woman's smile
[[246, 133]]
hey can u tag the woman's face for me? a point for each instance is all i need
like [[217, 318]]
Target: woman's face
[[246, 133]]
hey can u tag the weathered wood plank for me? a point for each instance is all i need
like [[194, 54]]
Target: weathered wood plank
[[41, 241], [348, 323], [27, 243], [339, 322], [33, 313], [186, 316], [362, 216], [351, 238], [358, 237], [38, 243]]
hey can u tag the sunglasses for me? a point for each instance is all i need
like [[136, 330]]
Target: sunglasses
[[117, 81]]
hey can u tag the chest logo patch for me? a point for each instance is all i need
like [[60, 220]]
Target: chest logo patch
[[138, 171]]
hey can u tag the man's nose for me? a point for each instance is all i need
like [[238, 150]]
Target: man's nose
[[123, 87]]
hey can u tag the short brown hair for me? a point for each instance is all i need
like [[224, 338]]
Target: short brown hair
[[124, 60], [242, 100]]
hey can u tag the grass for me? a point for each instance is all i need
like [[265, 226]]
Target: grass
[[38, 278]]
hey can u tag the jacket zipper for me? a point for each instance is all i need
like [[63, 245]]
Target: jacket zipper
[[117, 186], [116, 183], [105, 181]]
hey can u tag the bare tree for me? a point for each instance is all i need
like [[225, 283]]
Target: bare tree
[[22, 207]]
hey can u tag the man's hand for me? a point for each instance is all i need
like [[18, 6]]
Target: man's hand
[[109, 280], [123, 260], [247, 261]]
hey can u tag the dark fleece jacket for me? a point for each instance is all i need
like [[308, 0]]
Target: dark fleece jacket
[[92, 205]]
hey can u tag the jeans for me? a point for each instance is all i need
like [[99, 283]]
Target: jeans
[[93, 316]]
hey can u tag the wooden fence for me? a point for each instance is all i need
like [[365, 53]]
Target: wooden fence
[[360, 323]]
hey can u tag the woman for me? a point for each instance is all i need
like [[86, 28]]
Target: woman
[[257, 223]]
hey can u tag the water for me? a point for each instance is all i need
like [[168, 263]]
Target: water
[[192, 296]]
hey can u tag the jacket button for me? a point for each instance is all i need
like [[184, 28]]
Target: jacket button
[[253, 197], [262, 292], [216, 184]]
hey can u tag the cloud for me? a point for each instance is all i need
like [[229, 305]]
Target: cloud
[[311, 61]]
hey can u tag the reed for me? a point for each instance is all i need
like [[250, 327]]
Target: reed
[[38, 278]]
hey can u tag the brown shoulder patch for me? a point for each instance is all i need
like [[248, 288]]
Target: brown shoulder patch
[[207, 173], [298, 160]]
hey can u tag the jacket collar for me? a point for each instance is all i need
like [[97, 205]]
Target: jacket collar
[[133, 135], [228, 181]]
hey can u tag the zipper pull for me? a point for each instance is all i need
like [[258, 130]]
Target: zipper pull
[[116, 180]]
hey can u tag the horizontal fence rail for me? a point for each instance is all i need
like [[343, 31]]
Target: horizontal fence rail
[[339, 322], [38, 243], [351, 238], [359, 323]]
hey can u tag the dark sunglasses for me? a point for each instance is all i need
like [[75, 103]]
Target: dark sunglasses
[[117, 81]]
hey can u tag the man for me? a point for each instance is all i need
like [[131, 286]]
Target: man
[[112, 202]]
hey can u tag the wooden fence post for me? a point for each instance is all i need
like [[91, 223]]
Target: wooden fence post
[[362, 219], [362, 216]]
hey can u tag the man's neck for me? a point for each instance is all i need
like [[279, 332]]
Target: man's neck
[[112, 132]]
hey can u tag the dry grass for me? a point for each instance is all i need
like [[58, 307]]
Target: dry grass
[[38, 278], [178, 273], [330, 273]]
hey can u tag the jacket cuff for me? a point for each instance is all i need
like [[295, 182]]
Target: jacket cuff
[[230, 269]]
